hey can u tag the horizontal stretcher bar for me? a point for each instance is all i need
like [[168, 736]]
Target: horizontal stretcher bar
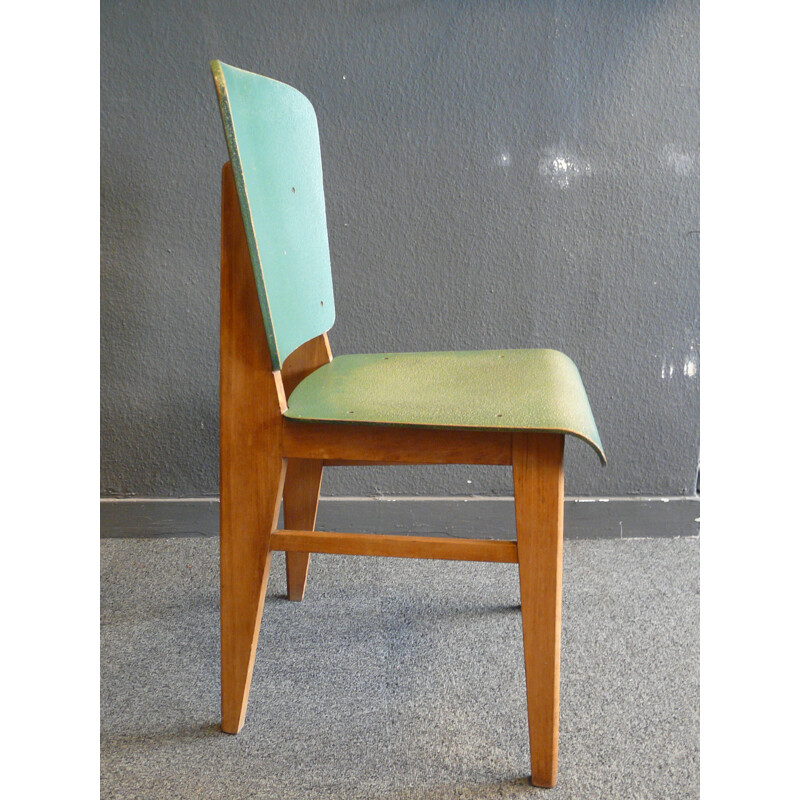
[[372, 544]]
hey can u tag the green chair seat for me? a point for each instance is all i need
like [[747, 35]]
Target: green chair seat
[[509, 390]]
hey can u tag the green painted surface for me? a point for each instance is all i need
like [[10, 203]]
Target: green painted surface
[[513, 390], [273, 141]]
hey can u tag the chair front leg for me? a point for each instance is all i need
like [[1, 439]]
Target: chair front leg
[[300, 501], [539, 505]]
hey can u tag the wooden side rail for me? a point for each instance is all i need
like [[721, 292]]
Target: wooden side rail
[[372, 544], [375, 444]]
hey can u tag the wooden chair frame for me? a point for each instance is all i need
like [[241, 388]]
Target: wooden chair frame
[[264, 456]]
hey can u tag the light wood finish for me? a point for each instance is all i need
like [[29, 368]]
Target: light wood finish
[[509, 407], [333, 462], [300, 500], [539, 505], [251, 467], [341, 443], [372, 544], [303, 361], [264, 455], [303, 476]]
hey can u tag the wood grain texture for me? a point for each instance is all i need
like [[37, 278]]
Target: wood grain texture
[[371, 544], [376, 444], [303, 476], [539, 508], [251, 468], [300, 501], [305, 360]]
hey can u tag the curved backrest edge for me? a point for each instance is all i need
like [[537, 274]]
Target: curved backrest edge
[[244, 206], [296, 277]]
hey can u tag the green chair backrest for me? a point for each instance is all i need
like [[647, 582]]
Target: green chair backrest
[[273, 141]]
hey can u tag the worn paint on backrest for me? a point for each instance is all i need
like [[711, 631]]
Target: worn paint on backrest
[[273, 142]]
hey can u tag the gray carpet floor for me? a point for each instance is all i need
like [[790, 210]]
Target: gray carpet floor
[[400, 679]]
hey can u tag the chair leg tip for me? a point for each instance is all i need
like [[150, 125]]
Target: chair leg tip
[[232, 726]]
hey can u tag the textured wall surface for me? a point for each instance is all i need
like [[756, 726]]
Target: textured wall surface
[[498, 174]]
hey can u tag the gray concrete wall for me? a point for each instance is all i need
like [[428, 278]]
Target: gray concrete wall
[[498, 174]]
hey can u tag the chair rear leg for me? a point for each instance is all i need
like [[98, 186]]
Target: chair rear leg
[[300, 500], [539, 505], [251, 468], [247, 515]]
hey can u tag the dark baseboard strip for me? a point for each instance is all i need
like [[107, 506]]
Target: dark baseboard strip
[[489, 517]]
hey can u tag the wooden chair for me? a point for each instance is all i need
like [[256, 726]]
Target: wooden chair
[[287, 409]]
